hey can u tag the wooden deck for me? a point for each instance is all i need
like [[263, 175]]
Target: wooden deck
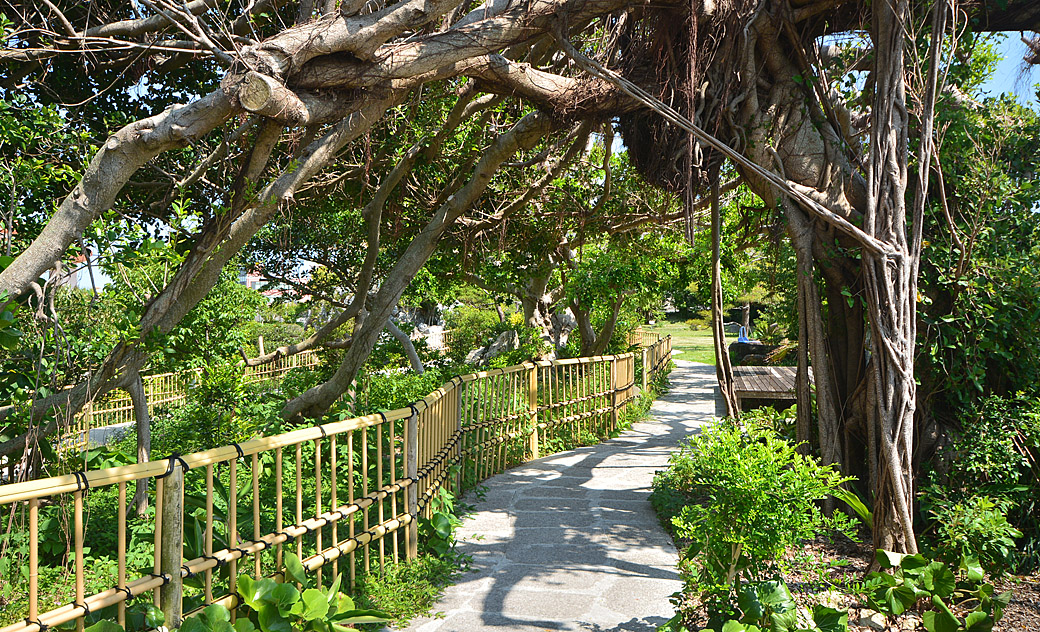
[[765, 382]]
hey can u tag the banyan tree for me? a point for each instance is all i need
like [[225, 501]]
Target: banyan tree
[[258, 106]]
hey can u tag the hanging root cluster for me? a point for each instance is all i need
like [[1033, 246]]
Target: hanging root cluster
[[691, 57]]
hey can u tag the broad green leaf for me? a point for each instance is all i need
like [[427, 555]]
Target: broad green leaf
[[978, 622], [104, 625], [214, 613], [786, 621], [912, 563], [316, 604], [362, 616], [153, 617], [895, 599], [271, 620], [193, 624], [888, 559], [441, 525], [939, 579], [283, 596], [830, 620], [974, 569], [244, 625], [938, 621], [344, 603], [294, 569]]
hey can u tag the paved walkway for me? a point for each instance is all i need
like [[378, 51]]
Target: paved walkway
[[570, 542]]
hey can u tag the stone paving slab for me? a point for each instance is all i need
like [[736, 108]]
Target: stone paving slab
[[570, 541]]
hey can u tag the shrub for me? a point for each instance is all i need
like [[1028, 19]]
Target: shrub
[[745, 499], [407, 589], [472, 328], [698, 324], [782, 422], [973, 531], [996, 453]]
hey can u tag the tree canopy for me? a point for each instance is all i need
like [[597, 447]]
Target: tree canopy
[[362, 135]]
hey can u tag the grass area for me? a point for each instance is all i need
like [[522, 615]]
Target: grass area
[[696, 346]]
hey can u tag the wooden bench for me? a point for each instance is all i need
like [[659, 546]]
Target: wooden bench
[[775, 383]]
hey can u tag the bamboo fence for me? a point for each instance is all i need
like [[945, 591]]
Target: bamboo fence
[[163, 389], [640, 338], [345, 496]]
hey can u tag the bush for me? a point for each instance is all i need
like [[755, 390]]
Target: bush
[[407, 589], [783, 422], [472, 328], [996, 454], [973, 531], [275, 335], [698, 324], [743, 500]]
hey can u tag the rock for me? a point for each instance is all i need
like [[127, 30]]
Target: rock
[[872, 620], [739, 352], [506, 341], [731, 328]]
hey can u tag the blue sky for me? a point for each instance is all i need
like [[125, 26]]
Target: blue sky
[[1009, 77]]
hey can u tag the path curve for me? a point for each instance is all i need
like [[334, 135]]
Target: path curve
[[570, 542]]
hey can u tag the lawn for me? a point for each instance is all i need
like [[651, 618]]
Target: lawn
[[690, 345]]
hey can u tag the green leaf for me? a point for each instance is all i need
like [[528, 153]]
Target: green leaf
[[344, 603], [786, 621], [852, 500], [888, 559], [271, 620], [333, 591], [153, 617], [974, 568], [362, 616], [913, 564], [830, 620], [978, 622], [194, 624], [214, 618], [938, 621], [441, 525], [104, 625], [294, 569], [244, 625], [316, 604], [939, 579], [894, 599]]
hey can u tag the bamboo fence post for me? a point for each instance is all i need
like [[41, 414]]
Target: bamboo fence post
[[412, 472], [34, 559], [458, 444], [645, 369], [532, 406], [613, 393], [172, 541]]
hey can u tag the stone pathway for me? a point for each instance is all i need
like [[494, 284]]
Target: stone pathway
[[570, 542]]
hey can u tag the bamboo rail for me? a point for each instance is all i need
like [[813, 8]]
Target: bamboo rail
[[163, 389], [389, 467]]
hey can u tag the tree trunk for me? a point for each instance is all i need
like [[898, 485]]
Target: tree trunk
[[889, 282], [723, 367], [143, 423], [406, 342]]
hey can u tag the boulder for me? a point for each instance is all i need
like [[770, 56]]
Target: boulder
[[506, 341], [750, 353]]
